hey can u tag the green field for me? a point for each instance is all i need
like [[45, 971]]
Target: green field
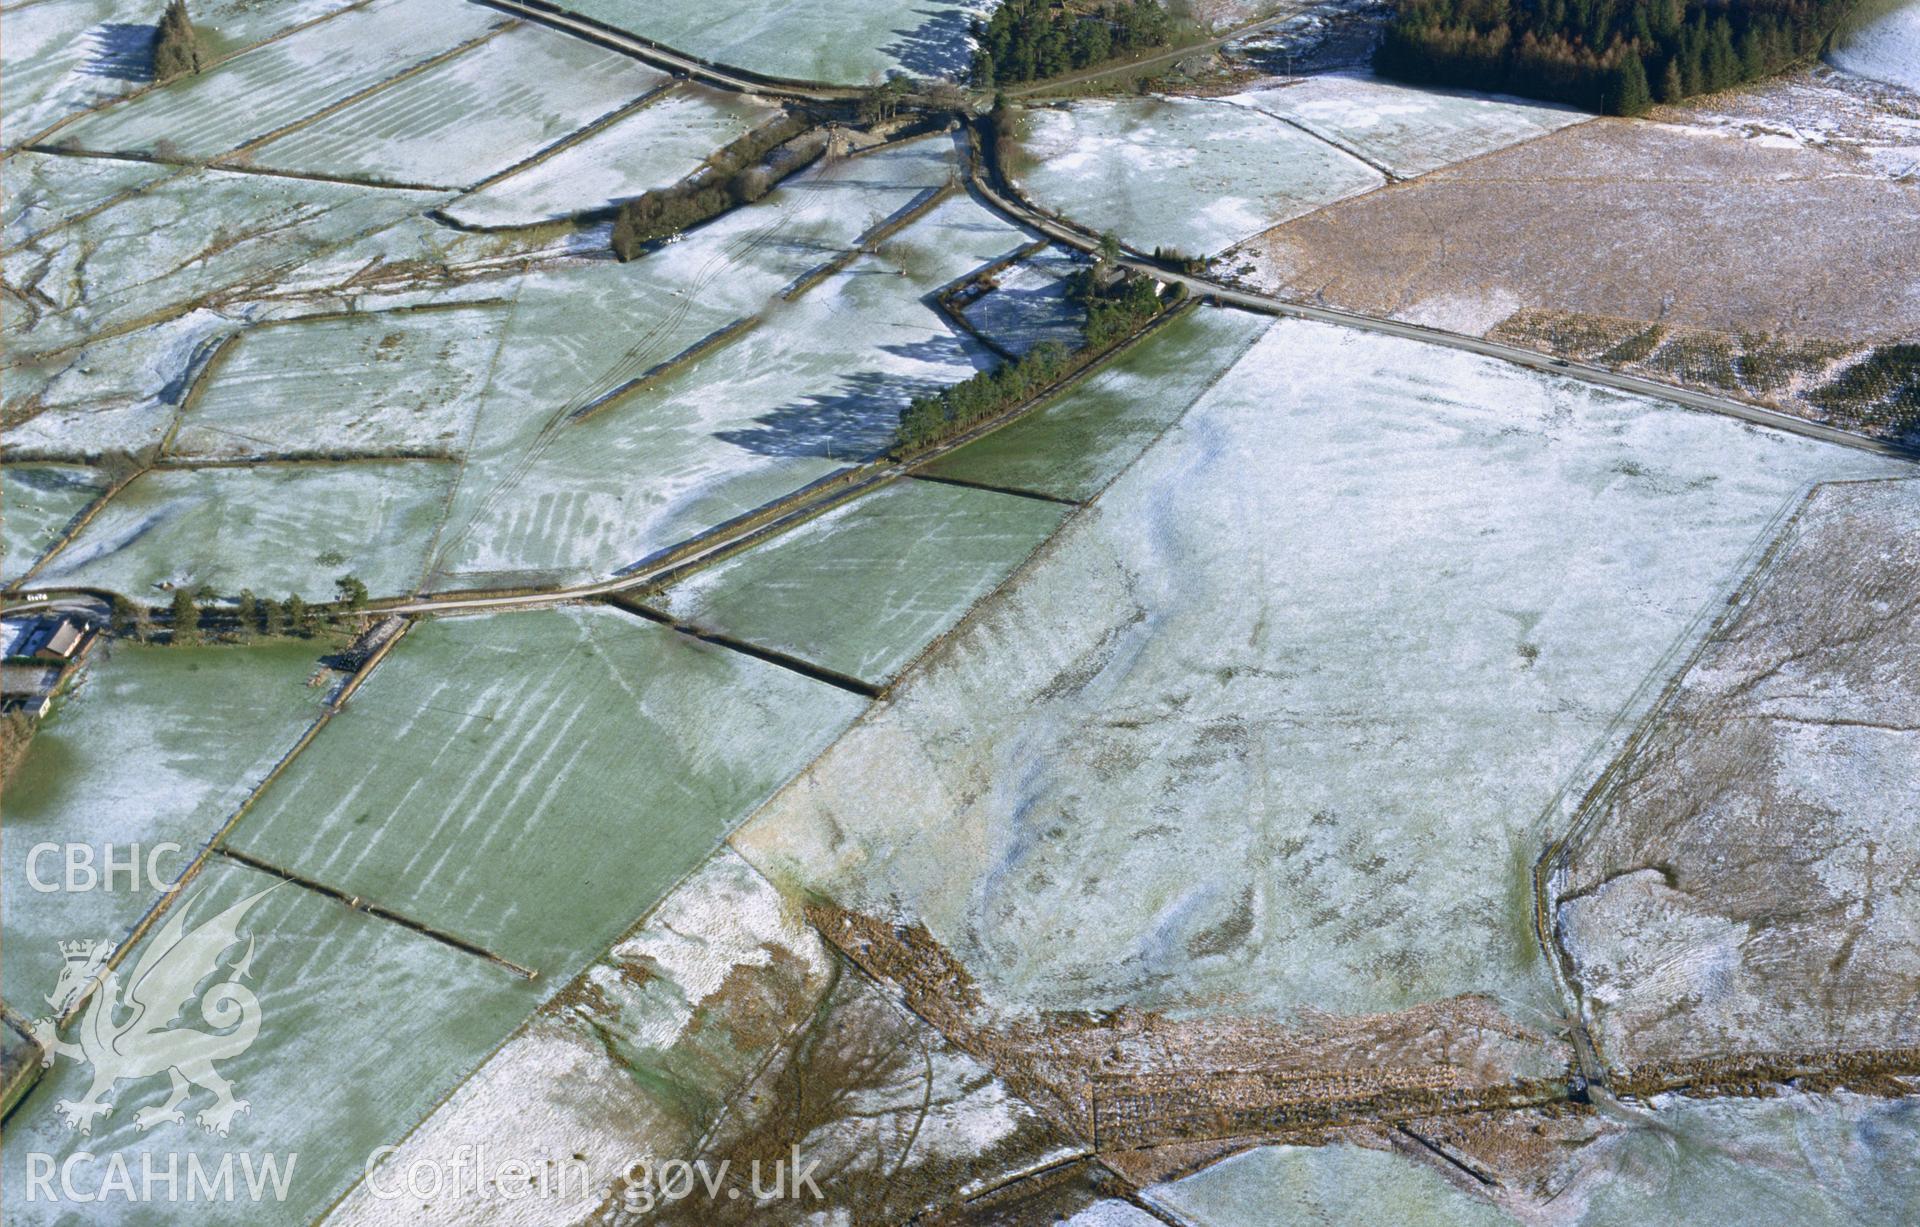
[[156, 745], [338, 991], [533, 782], [863, 589], [1073, 446]]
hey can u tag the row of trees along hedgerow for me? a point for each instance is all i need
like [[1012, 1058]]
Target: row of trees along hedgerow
[[1026, 40], [189, 624], [733, 176], [1615, 56], [1116, 306]]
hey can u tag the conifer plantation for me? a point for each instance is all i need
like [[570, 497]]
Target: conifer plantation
[[1030, 40], [1614, 56]]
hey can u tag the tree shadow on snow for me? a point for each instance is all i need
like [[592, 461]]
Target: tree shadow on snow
[[122, 51], [938, 47], [850, 424], [1023, 317]]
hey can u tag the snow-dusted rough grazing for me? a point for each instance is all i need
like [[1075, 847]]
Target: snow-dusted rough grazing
[[1275, 726], [1749, 883]]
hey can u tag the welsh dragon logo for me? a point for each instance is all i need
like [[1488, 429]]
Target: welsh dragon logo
[[125, 1036]]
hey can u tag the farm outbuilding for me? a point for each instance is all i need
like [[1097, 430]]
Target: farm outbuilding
[[61, 642]]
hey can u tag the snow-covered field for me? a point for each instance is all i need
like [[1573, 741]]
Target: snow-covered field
[[817, 383], [284, 82], [377, 383], [117, 394], [273, 528], [1882, 40], [42, 190], [656, 146], [64, 56], [468, 117], [864, 588], [1408, 131], [534, 782], [37, 502], [843, 42], [1366, 617], [1197, 175], [198, 236], [807, 368], [1201, 174], [1028, 305]]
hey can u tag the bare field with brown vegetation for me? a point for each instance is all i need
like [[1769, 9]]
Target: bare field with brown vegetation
[[1724, 247]]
